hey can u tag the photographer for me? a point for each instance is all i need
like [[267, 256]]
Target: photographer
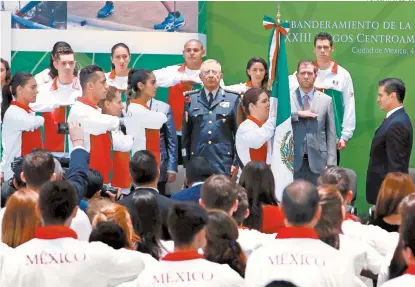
[[14, 183]]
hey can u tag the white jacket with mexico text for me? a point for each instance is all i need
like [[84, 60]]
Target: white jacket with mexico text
[[57, 258], [298, 256], [187, 269]]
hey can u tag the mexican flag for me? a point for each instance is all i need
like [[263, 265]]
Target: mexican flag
[[282, 164]]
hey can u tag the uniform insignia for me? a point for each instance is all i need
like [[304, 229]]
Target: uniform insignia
[[196, 108], [188, 93], [225, 104], [287, 151]]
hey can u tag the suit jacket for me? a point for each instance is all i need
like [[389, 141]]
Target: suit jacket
[[188, 194], [163, 203], [168, 140], [76, 173], [210, 131], [390, 151], [320, 132]]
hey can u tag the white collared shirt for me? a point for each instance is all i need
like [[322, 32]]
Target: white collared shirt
[[392, 111]]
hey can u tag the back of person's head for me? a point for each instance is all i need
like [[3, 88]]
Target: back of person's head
[[258, 181], [59, 172], [219, 192], [118, 214], [109, 233], [58, 203], [94, 182], [38, 168], [20, 218], [243, 205], [149, 225], [394, 188], [398, 263], [221, 245], [10, 89], [300, 203], [330, 223], [280, 283], [96, 204], [198, 170], [338, 176], [89, 74], [185, 222], [143, 168]]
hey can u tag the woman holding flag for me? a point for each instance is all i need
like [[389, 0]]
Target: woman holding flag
[[253, 137]]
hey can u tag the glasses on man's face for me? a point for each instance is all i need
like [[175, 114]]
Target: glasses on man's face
[[207, 73]]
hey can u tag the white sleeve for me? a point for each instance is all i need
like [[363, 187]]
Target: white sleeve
[[121, 142], [43, 77], [45, 102], [148, 119], [257, 137], [237, 88], [25, 122], [373, 260], [81, 225], [293, 82], [96, 123], [349, 117], [168, 76]]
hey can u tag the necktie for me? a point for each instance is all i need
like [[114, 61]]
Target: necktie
[[210, 99], [306, 103]]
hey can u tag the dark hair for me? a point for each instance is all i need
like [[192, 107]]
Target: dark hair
[[280, 283], [338, 176], [329, 225], [221, 246], [306, 62], [323, 36], [184, 221], [149, 222], [53, 73], [63, 51], [143, 167], [7, 67], [94, 182], [88, 74], [115, 47], [38, 168], [254, 60], [243, 205], [10, 90], [57, 201], [394, 85], [251, 96], [109, 233], [300, 202], [198, 169], [258, 181], [218, 192], [135, 77]]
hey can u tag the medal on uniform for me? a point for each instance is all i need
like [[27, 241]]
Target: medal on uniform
[[225, 104]]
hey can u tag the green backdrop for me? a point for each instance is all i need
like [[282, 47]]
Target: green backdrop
[[234, 37]]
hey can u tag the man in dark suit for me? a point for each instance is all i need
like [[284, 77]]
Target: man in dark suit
[[392, 144], [197, 171], [210, 121], [145, 175]]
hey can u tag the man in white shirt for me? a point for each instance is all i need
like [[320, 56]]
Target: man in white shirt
[[335, 81], [56, 258], [297, 254], [185, 266]]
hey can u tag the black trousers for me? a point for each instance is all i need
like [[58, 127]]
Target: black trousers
[[338, 158]]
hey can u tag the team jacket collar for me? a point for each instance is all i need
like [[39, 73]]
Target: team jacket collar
[[183, 255], [75, 85], [87, 102], [182, 67], [26, 108], [297, 232], [138, 102], [255, 120], [334, 69], [54, 232]]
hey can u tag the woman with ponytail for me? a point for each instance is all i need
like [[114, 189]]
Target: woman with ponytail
[[264, 213], [20, 131], [253, 137], [221, 242], [142, 123]]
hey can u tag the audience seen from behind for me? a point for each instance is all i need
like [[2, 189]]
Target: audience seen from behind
[[393, 190], [111, 234], [264, 213]]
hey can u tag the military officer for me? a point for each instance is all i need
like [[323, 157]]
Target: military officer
[[210, 121]]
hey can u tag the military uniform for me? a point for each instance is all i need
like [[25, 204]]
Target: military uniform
[[209, 131]]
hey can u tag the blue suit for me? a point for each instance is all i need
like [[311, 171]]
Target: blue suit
[[168, 140], [188, 194], [209, 131], [76, 174]]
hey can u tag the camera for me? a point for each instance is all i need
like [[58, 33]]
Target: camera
[[63, 128], [106, 188]]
